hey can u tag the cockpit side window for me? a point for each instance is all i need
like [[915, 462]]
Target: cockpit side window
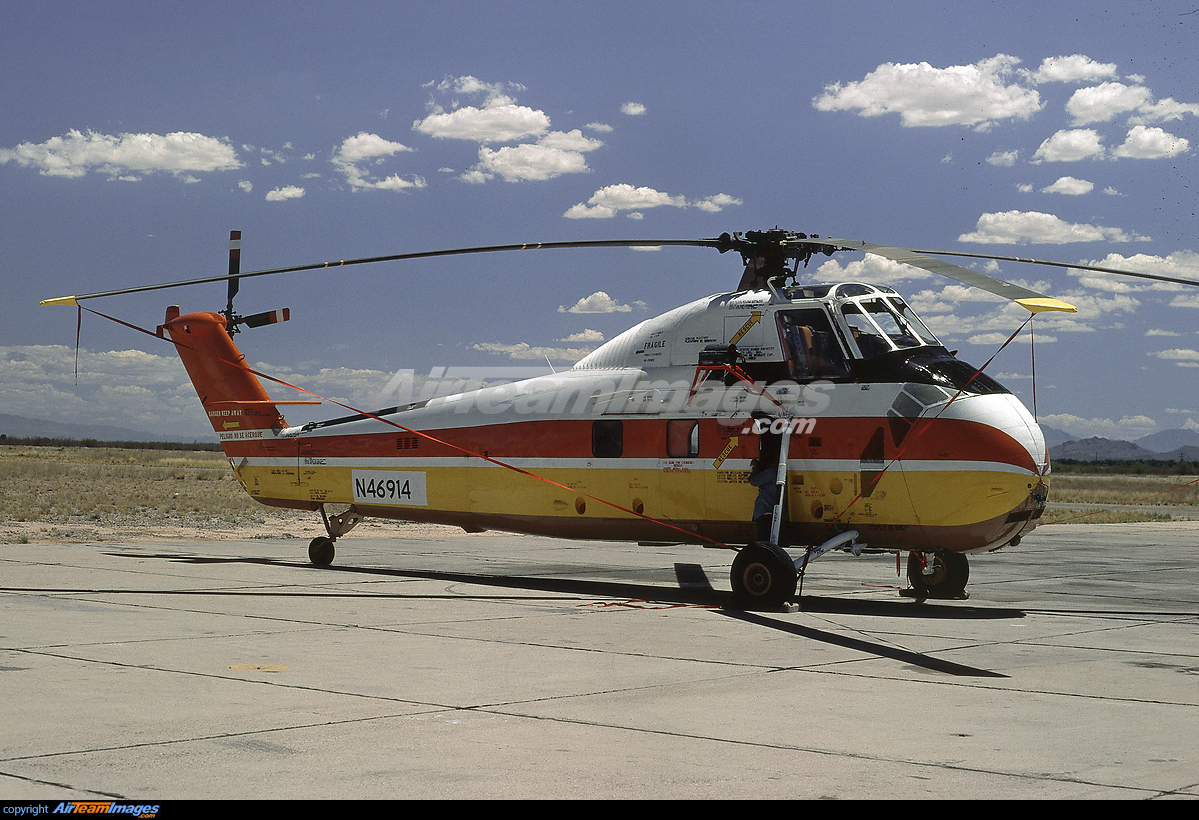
[[865, 334], [810, 346]]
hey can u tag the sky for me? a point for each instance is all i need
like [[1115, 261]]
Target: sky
[[135, 135]]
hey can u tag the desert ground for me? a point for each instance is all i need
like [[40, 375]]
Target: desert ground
[[76, 494]]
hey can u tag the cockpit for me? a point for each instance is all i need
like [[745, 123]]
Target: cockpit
[[841, 332], [881, 323], [845, 322], [859, 332]]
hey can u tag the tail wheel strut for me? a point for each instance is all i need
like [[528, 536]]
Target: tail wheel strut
[[320, 549]]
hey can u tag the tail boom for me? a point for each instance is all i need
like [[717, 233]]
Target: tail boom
[[233, 398]]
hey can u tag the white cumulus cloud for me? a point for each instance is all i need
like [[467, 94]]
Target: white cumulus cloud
[[499, 120], [598, 302], [1180, 356], [1128, 427], [1033, 227], [525, 162], [1070, 146], [1180, 265], [1072, 69], [607, 202], [975, 95], [1164, 111], [366, 148], [1069, 186], [1150, 142], [587, 335], [554, 154], [523, 350], [125, 155], [287, 192], [1101, 103]]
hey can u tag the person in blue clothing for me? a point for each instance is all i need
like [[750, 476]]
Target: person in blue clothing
[[763, 474]]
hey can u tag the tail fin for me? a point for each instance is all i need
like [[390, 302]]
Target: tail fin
[[233, 398]]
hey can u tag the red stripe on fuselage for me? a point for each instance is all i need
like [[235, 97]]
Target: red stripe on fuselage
[[831, 438]]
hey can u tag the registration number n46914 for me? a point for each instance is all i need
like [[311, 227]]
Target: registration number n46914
[[390, 487]]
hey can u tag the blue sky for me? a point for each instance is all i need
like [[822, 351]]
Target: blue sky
[[134, 136]]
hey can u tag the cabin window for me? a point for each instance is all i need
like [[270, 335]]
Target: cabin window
[[682, 438], [607, 438], [810, 348]]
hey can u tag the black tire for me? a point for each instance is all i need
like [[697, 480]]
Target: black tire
[[763, 577], [320, 551], [951, 573]]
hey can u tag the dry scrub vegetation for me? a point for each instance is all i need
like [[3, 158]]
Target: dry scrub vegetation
[[98, 492], [1144, 492], [1161, 490]]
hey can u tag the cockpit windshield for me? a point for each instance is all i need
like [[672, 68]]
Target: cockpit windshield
[[880, 325], [913, 323], [888, 321], [866, 335]]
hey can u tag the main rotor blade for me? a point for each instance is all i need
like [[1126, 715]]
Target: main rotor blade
[[527, 246], [1176, 280], [769, 242], [1029, 299]]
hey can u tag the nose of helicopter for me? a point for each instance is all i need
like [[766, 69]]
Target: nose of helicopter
[[1033, 439], [1012, 417], [1008, 469]]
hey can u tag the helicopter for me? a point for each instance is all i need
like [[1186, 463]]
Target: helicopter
[[776, 417]]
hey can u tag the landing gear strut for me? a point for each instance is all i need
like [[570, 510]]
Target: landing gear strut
[[320, 549], [938, 574], [764, 577]]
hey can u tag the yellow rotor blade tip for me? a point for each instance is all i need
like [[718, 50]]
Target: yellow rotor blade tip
[[1046, 303], [61, 300]]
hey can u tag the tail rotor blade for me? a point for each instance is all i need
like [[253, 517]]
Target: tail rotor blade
[[269, 317], [234, 269]]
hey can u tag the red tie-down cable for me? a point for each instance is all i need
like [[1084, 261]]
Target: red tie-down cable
[[243, 366]]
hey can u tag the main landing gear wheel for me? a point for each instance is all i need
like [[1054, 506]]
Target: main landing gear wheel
[[764, 577], [950, 573], [320, 551]]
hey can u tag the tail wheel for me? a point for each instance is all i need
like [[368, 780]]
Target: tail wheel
[[763, 576], [320, 551], [949, 576]]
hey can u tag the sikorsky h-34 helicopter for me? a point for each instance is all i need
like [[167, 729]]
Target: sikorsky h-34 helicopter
[[780, 415]]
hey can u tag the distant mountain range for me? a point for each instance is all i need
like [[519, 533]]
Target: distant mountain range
[[1165, 441], [1164, 445], [1054, 436], [21, 427], [1105, 449]]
